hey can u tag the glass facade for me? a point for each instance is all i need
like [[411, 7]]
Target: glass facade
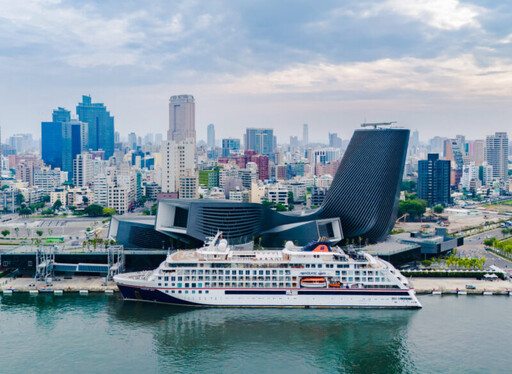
[[101, 125]]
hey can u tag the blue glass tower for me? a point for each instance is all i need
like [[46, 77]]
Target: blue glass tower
[[101, 125]]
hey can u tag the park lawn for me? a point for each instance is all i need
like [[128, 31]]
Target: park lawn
[[506, 242]]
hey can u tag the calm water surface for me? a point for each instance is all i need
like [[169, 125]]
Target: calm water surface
[[101, 334]]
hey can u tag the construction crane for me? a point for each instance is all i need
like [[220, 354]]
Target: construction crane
[[375, 124]]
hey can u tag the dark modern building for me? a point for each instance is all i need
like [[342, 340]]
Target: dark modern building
[[62, 139], [362, 202], [434, 180], [101, 125]]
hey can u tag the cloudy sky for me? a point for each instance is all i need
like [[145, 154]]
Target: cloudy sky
[[443, 67]]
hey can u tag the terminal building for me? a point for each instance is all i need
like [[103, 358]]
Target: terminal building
[[361, 203]]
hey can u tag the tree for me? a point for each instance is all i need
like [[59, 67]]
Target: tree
[[415, 208], [438, 209], [281, 208], [39, 232], [57, 204], [94, 210], [290, 197], [107, 212], [409, 186], [153, 209], [20, 199], [17, 231], [46, 199], [25, 212], [5, 233], [47, 212]]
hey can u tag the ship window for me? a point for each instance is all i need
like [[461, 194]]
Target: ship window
[[313, 266], [193, 285], [287, 272], [337, 273], [186, 291], [180, 278], [240, 272], [247, 272], [193, 291], [200, 291], [350, 279], [166, 278], [274, 272], [227, 272], [260, 272], [307, 266], [165, 284], [267, 272], [159, 284], [280, 272], [207, 291], [173, 279], [159, 278], [319, 266], [187, 285], [179, 284]]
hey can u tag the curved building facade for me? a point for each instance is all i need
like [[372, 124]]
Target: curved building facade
[[362, 202]]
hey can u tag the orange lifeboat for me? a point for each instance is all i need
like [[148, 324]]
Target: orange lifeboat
[[313, 282]]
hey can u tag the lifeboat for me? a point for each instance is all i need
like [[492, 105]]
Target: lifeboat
[[335, 285], [313, 282]]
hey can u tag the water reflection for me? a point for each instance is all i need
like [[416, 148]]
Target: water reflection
[[277, 340]]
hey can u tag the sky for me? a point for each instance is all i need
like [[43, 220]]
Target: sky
[[443, 67]]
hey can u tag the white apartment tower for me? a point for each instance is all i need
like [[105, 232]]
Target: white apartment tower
[[496, 154], [178, 162], [305, 135], [83, 170], [182, 122]]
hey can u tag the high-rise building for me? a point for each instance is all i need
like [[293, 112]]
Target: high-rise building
[[83, 171], [434, 180], [415, 139], [334, 140], [305, 135], [210, 143], [182, 122], [132, 140], [496, 154], [477, 152], [260, 140], [101, 125], [177, 161], [48, 179]]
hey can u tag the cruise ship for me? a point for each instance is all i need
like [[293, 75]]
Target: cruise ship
[[317, 275]]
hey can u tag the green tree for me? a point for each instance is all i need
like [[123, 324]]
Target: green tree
[[94, 210], [17, 231], [5, 233], [25, 212], [438, 209], [281, 207], [47, 212], [415, 208], [57, 205], [46, 199], [39, 232], [409, 186], [107, 212], [153, 209], [20, 199]]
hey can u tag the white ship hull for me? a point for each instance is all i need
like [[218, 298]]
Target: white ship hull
[[283, 298]]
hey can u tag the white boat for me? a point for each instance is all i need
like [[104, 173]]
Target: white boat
[[217, 275]]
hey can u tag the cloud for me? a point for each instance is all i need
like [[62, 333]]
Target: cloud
[[456, 77], [440, 14]]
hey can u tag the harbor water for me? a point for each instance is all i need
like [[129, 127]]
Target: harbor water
[[103, 334]]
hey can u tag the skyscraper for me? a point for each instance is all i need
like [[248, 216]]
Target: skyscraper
[[101, 125], [434, 180], [334, 140], [305, 135], [496, 154], [182, 122], [132, 140], [211, 136], [260, 140], [63, 139]]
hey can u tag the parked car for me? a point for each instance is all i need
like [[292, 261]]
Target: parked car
[[470, 287]]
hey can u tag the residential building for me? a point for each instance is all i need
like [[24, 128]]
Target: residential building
[[496, 154], [48, 179], [177, 161], [83, 170], [305, 135], [334, 140], [434, 180], [278, 195]]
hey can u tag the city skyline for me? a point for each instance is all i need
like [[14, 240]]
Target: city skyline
[[331, 65]]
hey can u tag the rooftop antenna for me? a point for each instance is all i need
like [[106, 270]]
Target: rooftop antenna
[[377, 124]]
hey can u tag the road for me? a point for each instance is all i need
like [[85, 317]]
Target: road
[[474, 247]]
